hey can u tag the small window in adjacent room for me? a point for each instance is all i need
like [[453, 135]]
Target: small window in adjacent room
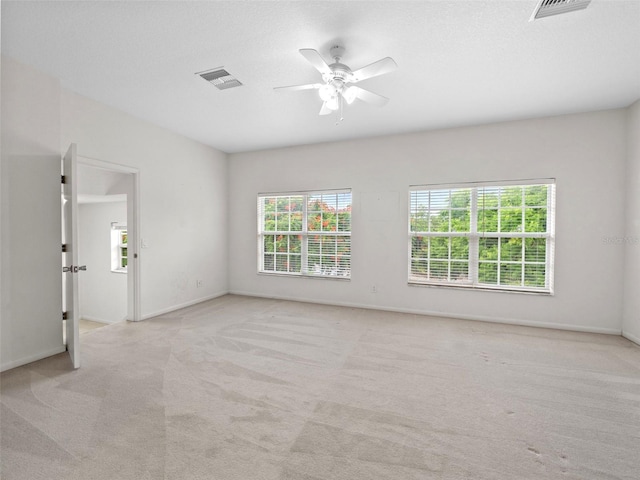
[[305, 234], [119, 257], [496, 236]]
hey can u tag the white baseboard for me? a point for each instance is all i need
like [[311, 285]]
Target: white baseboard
[[173, 308], [632, 337], [98, 320], [481, 318], [31, 358]]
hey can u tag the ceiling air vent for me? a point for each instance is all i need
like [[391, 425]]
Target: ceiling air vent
[[220, 78], [547, 8]]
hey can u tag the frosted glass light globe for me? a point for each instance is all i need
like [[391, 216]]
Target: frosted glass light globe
[[333, 103], [349, 94], [326, 92]]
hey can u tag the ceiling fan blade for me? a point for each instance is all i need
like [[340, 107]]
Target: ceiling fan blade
[[380, 67], [369, 97], [314, 58], [325, 110], [309, 86]]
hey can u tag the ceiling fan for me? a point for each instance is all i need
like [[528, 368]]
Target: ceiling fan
[[338, 80]]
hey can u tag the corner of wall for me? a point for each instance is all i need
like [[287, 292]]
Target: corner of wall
[[631, 301]]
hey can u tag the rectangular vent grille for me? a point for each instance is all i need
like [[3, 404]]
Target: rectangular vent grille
[[547, 8], [220, 78]]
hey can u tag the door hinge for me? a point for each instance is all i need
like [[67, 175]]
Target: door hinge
[[63, 179], [64, 248], [64, 315]]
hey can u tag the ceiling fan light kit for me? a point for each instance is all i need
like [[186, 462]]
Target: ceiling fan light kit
[[338, 80]]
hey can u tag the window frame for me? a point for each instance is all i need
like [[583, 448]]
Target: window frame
[[117, 247], [304, 235], [474, 236]]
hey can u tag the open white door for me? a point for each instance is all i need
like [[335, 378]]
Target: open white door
[[70, 267]]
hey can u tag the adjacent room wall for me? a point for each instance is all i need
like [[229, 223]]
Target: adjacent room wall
[[585, 153], [97, 185], [102, 293], [631, 241], [183, 200]]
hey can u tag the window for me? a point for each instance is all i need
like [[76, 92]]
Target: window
[[495, 236], [119, 257], [305, 234]]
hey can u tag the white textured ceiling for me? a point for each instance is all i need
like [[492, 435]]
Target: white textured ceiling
[[459, 62]]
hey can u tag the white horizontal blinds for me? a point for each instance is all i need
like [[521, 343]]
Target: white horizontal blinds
[[305, 233], [440, 230], [282, 226], [514, 235], [486, 235], [329, 239]]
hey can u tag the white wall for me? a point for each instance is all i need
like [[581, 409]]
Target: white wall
[[31, 232], [101, 182], [102, 293], [585, 153], [631, 241], [183, 200]]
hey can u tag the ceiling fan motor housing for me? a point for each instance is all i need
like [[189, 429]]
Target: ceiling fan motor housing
[[339, 71], [335, 83]]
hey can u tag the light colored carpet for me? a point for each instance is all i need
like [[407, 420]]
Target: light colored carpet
[[252, 389]]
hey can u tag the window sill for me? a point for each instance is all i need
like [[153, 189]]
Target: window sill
[[119, 271], [473, 288], [313, 277]]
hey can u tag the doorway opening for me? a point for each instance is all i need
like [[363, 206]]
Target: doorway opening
[[107, 226]]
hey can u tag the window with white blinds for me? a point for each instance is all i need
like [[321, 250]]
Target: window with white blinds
[[119, 257], [306, 233], [483, 235]]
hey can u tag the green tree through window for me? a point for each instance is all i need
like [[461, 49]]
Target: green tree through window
[[484, 236], [305, 234], [122, 248]]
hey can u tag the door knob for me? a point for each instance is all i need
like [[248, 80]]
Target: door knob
[[74, 269]]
